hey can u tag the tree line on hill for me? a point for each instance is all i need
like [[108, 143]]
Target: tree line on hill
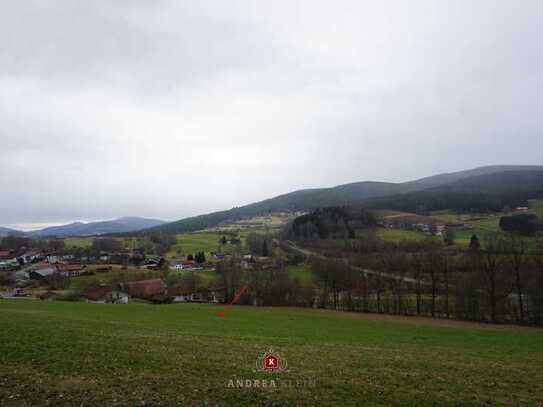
[[487, 193], [331, 222], [524, 224]]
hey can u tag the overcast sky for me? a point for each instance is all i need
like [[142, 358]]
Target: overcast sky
[[169, 109]]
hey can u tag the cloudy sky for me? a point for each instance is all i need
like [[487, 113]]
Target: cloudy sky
[[170, 108]]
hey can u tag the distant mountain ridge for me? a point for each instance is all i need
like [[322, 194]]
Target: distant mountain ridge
[[77, 229], [341, 195], [9, 232]]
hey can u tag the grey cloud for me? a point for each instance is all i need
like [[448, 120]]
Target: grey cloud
[[170, 109]]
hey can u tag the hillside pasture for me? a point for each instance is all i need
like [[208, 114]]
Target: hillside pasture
[[203, 241], [537, 207], [402, 235], [78, 242], [56, 353]]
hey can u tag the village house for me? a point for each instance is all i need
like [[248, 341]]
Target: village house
[[178, 294], [52, 258], [71, 269], [153, 290], [6, 255], [8, 261], [103, 269], [186, 265], [42, 271], [31, 256], [105, 294]]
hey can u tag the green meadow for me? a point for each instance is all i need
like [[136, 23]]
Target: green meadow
[[398, 235], [78, 354], [537, 207], [203, 241]]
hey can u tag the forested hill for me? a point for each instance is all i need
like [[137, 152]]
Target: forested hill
[[342, 195], [121, 225], [299, 200], [490, 192]]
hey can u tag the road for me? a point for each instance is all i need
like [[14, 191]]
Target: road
[[292, 246]]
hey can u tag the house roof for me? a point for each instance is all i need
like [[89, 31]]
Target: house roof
[[97, 292], [146, 288], [5, 254], [176, 291], [45, 271], [70, 267], [32, 252]]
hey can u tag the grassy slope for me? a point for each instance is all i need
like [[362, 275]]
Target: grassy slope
[[82, 242], [396, 235], [206, 241], [302, 272], [537, 206], [84, 354]]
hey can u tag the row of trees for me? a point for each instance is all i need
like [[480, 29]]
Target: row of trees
[[497, 283], [497, 280]]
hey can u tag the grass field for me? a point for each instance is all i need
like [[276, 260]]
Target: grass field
[[302, 272], [537, 207], [66, 354], [83, 242], [397, 235], [205, 241], [82, 282]]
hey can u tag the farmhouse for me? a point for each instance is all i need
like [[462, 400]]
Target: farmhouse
[[178, 294], [6, 254], [8, 260], [31, 256], [105, 294], [42, 271], [186, 265], [146, 289], [414, 222], [52, 258], [71, 269]]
